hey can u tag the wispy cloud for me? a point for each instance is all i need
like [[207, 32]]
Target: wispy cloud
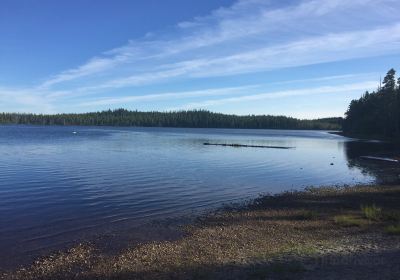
[[94, 66], [24, 100], [248, 37], [170, 95], [321, 49], [212, 92], [347, 88]]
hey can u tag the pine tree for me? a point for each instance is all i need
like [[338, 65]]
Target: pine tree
[[376, 113], [389, 82]]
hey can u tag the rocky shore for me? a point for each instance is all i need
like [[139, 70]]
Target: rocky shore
[[319, 233]]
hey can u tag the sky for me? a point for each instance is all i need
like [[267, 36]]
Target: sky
[[300, 58]]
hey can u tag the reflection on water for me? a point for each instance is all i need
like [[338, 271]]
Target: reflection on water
[[57, 186], [383, 172]]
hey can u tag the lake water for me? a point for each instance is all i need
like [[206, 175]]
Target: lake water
[[63, 184]]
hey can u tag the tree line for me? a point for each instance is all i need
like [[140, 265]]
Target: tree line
[[377, 113], [194, 118]]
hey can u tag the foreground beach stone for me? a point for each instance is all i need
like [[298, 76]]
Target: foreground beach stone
[[289, 236]]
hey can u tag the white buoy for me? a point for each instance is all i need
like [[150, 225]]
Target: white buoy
[[74, 132]]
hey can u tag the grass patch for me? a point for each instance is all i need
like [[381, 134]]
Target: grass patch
[[303, 250], [308, 215], [349, 221], [371, 212], [393, 229], [393, 216]]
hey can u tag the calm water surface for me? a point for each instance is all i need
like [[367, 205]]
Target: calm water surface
[[58, 186]]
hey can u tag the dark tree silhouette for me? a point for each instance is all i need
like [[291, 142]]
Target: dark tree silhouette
[[376, 114], [196, 118]]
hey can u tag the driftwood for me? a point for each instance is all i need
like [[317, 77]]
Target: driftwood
[[248, 146]]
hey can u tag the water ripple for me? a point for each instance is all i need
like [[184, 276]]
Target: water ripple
[[56, 187]]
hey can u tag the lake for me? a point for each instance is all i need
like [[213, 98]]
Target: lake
[[59, 185]]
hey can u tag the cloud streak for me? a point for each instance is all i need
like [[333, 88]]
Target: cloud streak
[[169, 96], [322, 49], [250, 36], [348, 88], [254, 33]]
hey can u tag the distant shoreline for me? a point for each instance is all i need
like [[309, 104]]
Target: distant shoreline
[[340, 133], [166, 127], [364, 136], [184, 119], [314, 234]]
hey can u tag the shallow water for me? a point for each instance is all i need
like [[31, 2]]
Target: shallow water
[[57, 186]]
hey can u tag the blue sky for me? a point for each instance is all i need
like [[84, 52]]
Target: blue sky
[[302, 58]]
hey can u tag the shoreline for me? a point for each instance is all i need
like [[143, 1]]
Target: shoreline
[[364, 137], [312, 233], [164, 127]]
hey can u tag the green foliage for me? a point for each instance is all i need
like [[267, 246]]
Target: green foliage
[[393, 229], [392, 216], [371, 212], [196, 118], [308, 215], [349, 221], [376, 114]]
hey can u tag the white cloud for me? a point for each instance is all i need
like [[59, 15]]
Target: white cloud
[[239, 34], [327, 48], [169, 96], [248, 37], [24, 100], [314, 50], [347, 88]]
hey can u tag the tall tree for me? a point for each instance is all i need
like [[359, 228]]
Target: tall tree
[[389, 82], [376, 113]]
